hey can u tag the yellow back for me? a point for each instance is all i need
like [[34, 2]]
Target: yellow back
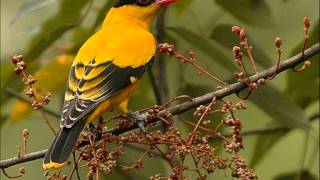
[[124, 38]]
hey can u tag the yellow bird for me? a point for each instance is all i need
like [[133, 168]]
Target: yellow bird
[[105, 72]]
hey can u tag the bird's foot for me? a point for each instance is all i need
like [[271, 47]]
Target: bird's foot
[[139, 119]]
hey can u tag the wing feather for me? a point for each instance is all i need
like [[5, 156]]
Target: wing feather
[[89, 85]]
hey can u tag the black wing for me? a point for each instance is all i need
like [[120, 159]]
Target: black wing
[[92, 84]]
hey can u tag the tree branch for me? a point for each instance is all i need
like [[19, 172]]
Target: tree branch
[[26, 158], [231, 89], [201, 100]]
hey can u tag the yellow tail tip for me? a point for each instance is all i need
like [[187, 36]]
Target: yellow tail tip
[[52, 165]]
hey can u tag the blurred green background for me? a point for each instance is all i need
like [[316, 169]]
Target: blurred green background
[[49, 32]]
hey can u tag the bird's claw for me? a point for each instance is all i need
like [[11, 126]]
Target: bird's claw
[[139, 119]]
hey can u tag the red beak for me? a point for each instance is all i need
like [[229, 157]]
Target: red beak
[[163, 3]]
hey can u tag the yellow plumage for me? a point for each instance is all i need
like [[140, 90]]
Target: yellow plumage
[[125, 42], [123, 39], [106, 71]]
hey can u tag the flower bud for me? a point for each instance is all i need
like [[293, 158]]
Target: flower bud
[[22, 170], [243, 34], [18, 70], [278, 42], [16, 58], [253, 85], [236, 49], [25, 133], [307, 64], [236, 30], [306, 22]]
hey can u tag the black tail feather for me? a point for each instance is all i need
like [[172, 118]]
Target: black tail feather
[[64, 143]]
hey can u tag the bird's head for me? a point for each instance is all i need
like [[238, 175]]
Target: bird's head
[[139, 11]]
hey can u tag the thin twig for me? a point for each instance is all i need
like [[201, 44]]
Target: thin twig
[[10, 177], [196, 162], [201, 118], [14, 93], [248, 49], [278, 43], [163, 155], [199, 68], [306, 22], [76, 165], [45, 117], [211, 131]]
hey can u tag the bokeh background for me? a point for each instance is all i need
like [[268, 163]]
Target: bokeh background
[[49, 32]]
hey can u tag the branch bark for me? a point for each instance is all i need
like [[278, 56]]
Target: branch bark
[[201, 100], [26, 158]]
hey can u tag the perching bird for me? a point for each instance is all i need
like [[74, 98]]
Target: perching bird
[[105, 72]]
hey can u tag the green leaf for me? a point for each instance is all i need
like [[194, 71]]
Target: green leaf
[[82, 35], [6, 72], [223, 35], [29, 7], [304, 87], [254, 12], [7, 77], [305, 175], [279, 107], [68, 16], [264, 144], [202, 44], [181, 6], [103, 12], [41, 43]]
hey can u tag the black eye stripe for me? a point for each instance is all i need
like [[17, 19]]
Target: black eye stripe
[[137, 2], [123, 2]]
